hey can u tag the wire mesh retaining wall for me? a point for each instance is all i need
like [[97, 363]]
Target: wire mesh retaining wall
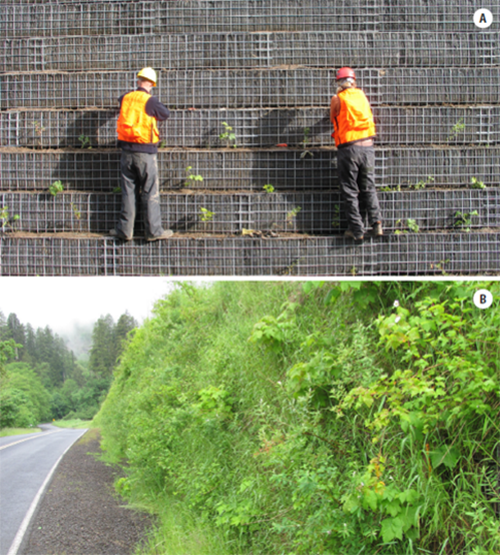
[[115, 18], [318, 213], [304, 127], [247, 50], [235, 169], [248, 88], [396, 255]]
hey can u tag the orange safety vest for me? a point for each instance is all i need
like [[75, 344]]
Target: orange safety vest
[[355, 120], [134, 125]]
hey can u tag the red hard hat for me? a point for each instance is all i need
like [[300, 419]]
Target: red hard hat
[[345, 72]]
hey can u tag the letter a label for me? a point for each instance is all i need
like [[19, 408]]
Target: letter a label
[[483, 18]]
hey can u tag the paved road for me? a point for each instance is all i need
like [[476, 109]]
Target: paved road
[[25, 462]]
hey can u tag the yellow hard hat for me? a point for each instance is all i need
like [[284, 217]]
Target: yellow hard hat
[[148, 73]]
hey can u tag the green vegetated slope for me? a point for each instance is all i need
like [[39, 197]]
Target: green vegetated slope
[[305, 418]]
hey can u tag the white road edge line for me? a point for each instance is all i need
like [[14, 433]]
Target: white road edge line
[[25, 523]]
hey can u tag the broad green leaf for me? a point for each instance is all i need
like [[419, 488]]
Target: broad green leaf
[[392, 528]]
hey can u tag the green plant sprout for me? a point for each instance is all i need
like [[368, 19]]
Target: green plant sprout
[[55, 188], [411, 225], [268, 188], [5, 218], [117, 190], [463, 220], [228, 135], [336, 215], [422, 183], [292, 215], [39, 129], [85, 141], [477, 184], [206, 215], [76, 212], [305, 142], [455, 130], [191, 178]]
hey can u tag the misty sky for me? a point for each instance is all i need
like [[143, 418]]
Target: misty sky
[[60, 303]]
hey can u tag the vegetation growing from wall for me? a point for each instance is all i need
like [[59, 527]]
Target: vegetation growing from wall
[[292, 418]]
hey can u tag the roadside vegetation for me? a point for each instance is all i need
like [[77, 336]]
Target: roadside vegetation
[[312, 418]]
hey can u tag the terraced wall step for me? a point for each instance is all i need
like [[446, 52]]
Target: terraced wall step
[[250, 88], [315, 213], [306, 127], [417, 254], [286, 169], [251, 50]]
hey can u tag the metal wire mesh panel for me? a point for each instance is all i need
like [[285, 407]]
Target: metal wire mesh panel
[[397, 255], [266, 215], [256, 128], [116, 18], [237, 169], [132, 17], [263, 200], [247, 50], [294, 87]]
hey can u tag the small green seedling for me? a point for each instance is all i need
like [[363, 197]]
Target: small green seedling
[[422, 184], [228, 135], [206, 215], [85, 141], [290, 217], [191, 178], [411, 226], [268, 188], [6, 219], [455, 130], [305, 142], [117, 190], [477, 184], [55, 188], [463, 220], [76, 212]]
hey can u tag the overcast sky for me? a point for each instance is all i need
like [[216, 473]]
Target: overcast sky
[[62, 302]]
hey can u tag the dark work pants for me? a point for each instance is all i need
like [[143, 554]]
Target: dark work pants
[[139, 172], [356, 169]]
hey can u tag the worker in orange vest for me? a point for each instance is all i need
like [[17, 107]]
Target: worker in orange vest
[[138, 137], [352, 118]]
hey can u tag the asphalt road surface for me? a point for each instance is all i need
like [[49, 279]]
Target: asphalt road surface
[[25, 463]]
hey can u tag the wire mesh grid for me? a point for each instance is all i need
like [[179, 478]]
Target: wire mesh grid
[[255, 128], [149, 17], [266, 215], [396, 255], [266, 69], [286, 169], [273, 88], [251, 50]]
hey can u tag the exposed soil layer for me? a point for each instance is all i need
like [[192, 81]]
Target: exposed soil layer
[[80, 513]]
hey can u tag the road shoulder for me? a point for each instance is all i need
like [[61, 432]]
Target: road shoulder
[[80, 513]]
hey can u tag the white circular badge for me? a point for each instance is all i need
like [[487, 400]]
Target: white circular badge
[[483, 18], [483, 298]]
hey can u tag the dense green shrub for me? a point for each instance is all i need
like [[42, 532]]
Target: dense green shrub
[[289, 418]]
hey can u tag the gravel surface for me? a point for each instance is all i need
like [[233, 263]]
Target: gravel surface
[[80, 514]]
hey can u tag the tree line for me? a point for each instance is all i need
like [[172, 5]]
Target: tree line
[[41, 378]]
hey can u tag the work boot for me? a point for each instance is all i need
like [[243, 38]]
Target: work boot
[[351, 235], [115, 235], [165, 235], [377, 230]]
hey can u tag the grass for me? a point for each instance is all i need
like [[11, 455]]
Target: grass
[[180, 534], [76, 424], [18, 431]]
